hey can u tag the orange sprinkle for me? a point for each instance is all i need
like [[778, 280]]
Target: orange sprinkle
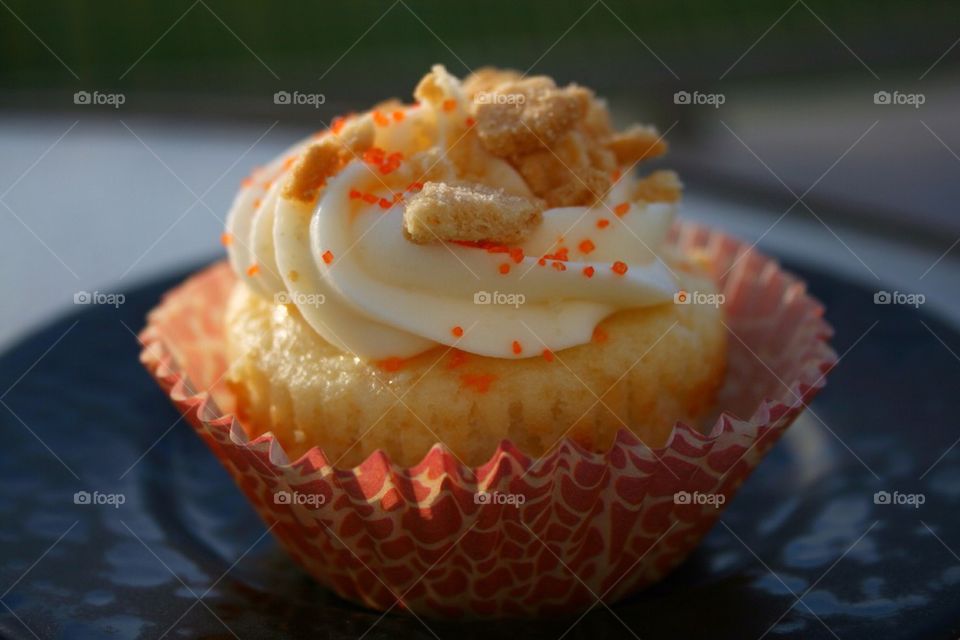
[[380, 119], [378, 157], [288, 162], [338, 124], [621, 208], [505, 268], [399, 115], [586, 246], [517, 348], [480, 382], [246, 182], [355, 194], [542, 261], [457, 331], [561, 254], [253, 269], [256, 203], [374, 154], [369, 198], [415, 186], [470, 122], [600, 334], [293, 275], [457, 358], [385, 204], [588, 271], [327, 257], [391, 163], [548, 355], [559, 266], [619, 268], [516, 253], [449, 104], [226, 239], [603, 223], [390, 364]]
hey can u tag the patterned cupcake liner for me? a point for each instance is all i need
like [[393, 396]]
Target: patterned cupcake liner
[[516, 536]]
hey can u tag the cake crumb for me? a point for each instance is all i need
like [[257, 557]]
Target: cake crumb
[[561, 183], [575, 171], [473, 213], [437, 88], [324, 158], [659, 186], [319, 162], [431, 165], [637, 143], [525, 115], [357, 134], [486, 79]]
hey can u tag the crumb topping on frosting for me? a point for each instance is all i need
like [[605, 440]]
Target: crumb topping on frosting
[[519, 117], [558, 141], [526, 187], [469, 213], [324, 159], [659, 186]]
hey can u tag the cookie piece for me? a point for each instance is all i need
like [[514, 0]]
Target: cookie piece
[[469, 212]]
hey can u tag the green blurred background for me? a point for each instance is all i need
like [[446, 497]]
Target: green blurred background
[[232, 54]]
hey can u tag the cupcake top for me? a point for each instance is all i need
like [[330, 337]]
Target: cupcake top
[[498, 214]]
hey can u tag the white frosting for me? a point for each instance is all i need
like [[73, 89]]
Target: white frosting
[[382, 296]]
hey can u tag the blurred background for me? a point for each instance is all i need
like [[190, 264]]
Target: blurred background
[[824, 131]]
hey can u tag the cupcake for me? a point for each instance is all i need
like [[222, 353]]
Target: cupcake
[[478, 266], [467, 361]]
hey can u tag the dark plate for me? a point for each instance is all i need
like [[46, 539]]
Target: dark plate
[[81, 415]]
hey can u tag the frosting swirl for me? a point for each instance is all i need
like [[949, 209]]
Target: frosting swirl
[[343, 261]]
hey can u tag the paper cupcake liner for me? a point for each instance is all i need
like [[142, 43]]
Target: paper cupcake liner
[[430, 539]]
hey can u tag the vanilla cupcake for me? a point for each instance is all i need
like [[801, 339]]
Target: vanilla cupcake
[[461, 358], [479, 266]]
